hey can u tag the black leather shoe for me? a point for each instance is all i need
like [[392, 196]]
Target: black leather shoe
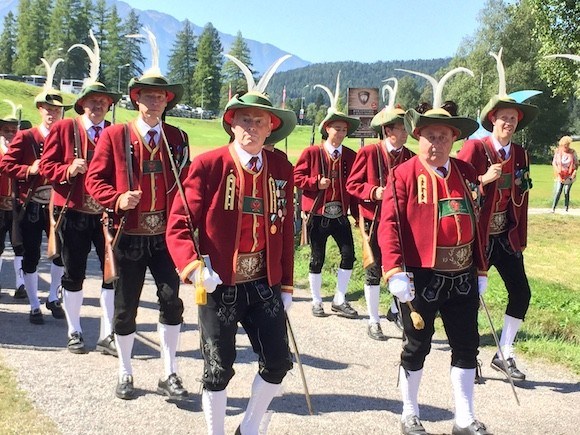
[[376, 333], [318, 310], [396, 319], [412, 426], [511, 370], [172, 387], [344, 310], [475, 428], [76, 344], [107, 345], [36, 317], [238, 431], [56, 308], [125, 388], [20, 292]]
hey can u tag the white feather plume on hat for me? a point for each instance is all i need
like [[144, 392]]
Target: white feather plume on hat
[[333, 97], [264, 80], [50, 72], [567, 56], [391, 90], [94, 58], [15, 108], [154, 69]]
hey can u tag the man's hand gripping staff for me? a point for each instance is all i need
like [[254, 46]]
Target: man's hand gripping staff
[[203, 277]]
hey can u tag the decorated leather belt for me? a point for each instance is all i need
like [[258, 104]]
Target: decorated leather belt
[[332, 210], [149, 224], [454, 258], [91, 206], [41, 195], [5, 203], [251, 266], [498, 223]]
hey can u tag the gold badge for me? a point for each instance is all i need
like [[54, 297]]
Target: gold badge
[[422, 189], [273, 229]]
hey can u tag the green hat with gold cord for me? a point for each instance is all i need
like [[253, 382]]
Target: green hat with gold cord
[[526, 112], [333, 114], [283, 120]]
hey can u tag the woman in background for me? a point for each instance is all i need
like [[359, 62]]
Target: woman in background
[[565, 163]]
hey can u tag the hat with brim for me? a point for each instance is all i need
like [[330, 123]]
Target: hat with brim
[[527, 112], [352, 123], [51, 97], [95, 88], [8, 120], [415, 121], [387, 116], [174, 90], [283, 121]]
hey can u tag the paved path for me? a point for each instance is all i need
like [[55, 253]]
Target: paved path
[[352, 379]]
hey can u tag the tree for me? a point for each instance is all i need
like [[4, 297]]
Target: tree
[[407, 93], [132, 49], [209, 64], [32, 26], [113, 54], [233, 77], [182, 61], [7, 44]]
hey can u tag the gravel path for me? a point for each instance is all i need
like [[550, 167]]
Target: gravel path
[[351, 378]]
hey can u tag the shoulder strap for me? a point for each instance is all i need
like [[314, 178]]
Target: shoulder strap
[[380, 163], [128, 155], [321, 150], [77, 139]]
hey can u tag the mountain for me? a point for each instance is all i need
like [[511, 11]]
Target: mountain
[[165, 27]]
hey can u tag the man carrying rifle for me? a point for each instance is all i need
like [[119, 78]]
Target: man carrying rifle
[[433, 259], [321, 172], [69, 149], [130, 175], [8, 129], [239, 198], [21, 162], [367, 182]]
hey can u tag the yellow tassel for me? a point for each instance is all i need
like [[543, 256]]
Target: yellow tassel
[[418, 322], [200, 295]]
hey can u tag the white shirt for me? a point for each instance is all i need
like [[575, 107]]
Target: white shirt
[[87, 124], [245, 156], [143, 129], [499, 146], [330, 149]]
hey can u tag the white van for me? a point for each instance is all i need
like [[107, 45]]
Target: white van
[[72, 86]]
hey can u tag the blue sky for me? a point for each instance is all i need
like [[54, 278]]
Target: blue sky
[[337, 30]]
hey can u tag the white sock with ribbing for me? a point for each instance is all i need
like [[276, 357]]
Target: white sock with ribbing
[[342, 279], [372, 295], [31, 284], [72, 303], [511, 325], [169, 337], [462, 381], [409, 382], [55, 279], [107, 300], [262, 394], [213, 404], [315, 280]]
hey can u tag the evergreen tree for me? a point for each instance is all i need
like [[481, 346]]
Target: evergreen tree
[[132, 49], [209, 64], [113, 55], [232, 75], [32, 26], [7, 44], [182, 61]]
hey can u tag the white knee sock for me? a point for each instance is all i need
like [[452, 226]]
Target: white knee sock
[[315, 280], [462, 381], [372, 294], [262, 394], [409, 382], [169, 336], [342, 279], [124, 345], [72, 303], [55, 278], [18, 270], [511, 325], [31, 284], [107, 310], [213, 404]]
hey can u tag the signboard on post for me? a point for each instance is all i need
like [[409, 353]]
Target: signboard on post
[[363, 103]]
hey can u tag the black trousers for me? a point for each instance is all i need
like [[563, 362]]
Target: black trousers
[[373, 273], [456, 298], [510, 266], [134, 255], [6, 229], [259, 309], [339, 229], [79, 231], [33, 224]]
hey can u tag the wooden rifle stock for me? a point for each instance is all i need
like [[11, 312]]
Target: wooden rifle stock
[[110, 270], [53, 244], [367, 252]]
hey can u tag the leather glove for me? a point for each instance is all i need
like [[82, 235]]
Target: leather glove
[[481, 284], [401, 285], [286, 300], [206, 275]]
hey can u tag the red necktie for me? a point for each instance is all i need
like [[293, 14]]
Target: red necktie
[[442, 170], [253, 164], [97, 134], [151, 135], [502, 153]]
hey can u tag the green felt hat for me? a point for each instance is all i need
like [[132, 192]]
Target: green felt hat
[[96, 88], [331, 116], [283, 120], [527, 112], [415, 121], [51, 97], [387, 116], [174, 91]]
